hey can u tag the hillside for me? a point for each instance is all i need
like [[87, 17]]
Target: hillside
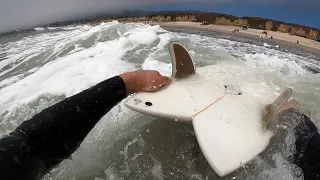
[[223, 19]]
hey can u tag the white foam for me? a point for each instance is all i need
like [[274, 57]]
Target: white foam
[[33, 70], [87, 65], [146, 35], [52, 28], [268, 59], [152, 62], [10, 80], [32, 46], [274, 63], [102, 26], [157, 171], [75, 72], [143, 37], [266, 45], [163, 68], [39, 29]]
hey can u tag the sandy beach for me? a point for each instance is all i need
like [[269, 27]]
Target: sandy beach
[[306, 43]]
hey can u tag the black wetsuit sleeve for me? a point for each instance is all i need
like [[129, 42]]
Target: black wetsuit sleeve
[[305, 137], [310, 163], [308, 149], [51, 136]]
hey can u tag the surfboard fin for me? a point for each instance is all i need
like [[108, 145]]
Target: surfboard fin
[[271, 110], [182, 64]]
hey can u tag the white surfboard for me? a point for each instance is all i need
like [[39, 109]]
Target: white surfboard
[[229, 122]]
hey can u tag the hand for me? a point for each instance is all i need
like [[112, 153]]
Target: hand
[[144, 80], [150, 80]]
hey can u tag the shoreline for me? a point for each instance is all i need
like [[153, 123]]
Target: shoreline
[[304, 43]]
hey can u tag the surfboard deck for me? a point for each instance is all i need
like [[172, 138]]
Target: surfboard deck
[[227, 118], [179, 101], [230, 132]]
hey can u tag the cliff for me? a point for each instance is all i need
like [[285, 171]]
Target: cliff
[[223, 19]]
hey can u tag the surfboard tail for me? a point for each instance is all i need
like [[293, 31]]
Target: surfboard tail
[[182, 64]]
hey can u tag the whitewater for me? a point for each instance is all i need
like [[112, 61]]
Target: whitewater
[[42, 67]]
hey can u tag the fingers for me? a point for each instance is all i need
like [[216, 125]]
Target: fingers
[[150, 80], [157, 83], [162, 81]]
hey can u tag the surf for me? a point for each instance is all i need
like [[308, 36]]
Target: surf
[[41, 69]]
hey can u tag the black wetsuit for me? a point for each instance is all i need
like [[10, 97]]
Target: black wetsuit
[[301, 134], [51, 136], [41, 143]]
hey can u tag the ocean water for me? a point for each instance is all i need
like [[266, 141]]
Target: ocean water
[[41, 67]]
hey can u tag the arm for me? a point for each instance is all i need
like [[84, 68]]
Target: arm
[[306, 140], [308, 148], [51, 136], [310, 163], [301, 133], [55, 133]]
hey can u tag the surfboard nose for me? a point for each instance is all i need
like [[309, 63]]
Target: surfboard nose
[[182, 64]]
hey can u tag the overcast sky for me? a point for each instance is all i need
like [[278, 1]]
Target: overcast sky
[[17, 14]]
